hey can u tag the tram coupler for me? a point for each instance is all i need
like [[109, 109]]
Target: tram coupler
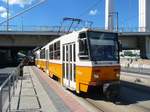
[[111, 90]]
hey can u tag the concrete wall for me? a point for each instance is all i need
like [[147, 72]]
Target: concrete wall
[[24, 40], [148, 15], [147, 44], [129, 42], [141, 43]]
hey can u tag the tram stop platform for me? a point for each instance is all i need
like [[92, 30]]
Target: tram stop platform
[[36, 92]]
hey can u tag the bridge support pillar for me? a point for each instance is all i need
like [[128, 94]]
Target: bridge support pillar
[[14, 56], [147, 46], [144, 15], [109, 15]]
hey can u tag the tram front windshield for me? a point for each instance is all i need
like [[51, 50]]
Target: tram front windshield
[[103, 46]]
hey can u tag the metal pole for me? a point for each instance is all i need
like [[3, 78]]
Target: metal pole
[[1, 105], [117, 21], [7, 15], [111, 15], [13, 83], [22, 22], [9, 83]]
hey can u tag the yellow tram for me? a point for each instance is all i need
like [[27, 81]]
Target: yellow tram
[[82, 59]]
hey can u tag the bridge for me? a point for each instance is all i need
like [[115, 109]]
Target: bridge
[[30, 37], [24, 39]]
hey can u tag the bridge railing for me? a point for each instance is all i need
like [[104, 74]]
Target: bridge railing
[[7, 89], [43, 28], [38, 28], [24, 28], [29, 28]]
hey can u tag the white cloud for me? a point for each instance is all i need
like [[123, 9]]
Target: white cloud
[[21, 3], [3, 12], [3, 15], [2, 9], [93, 12]]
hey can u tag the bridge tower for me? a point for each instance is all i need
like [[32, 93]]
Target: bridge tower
[[109, 18], [144, 23], [144, 15]]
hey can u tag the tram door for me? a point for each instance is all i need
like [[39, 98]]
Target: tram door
[[69, 65], [47, 60]]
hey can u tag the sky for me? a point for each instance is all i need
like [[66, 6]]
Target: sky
[[51, 12]]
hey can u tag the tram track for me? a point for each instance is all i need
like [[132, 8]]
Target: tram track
[[133, 98], [130, 99], [140, 75], [136, 71], [137, 75], [96, 106], [136, 81]]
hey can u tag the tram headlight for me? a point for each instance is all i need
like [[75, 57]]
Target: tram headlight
[[96, 76], [117, 75]]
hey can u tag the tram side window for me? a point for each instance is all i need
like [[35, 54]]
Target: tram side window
[[42, 54], [37, 56], [51, 51], [83, 49], [57, 50]]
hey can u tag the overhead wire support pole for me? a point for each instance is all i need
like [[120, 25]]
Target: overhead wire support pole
[[7, 15], [22, 12], [112, 14]]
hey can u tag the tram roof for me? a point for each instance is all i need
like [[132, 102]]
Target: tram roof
[[79, 31]]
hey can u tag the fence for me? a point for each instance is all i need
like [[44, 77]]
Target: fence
[[7, 89], [141, 70], [65, 29], [38, 28]]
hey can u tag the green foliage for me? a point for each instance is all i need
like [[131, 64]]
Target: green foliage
[[129, 53]]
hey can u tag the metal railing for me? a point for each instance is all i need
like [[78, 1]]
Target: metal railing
[[64, 29], [7, 89], [133, 29], [37, 28], [29, 28], [140, 70]]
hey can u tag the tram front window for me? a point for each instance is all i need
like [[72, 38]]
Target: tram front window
[[103, 46], [83, 47]]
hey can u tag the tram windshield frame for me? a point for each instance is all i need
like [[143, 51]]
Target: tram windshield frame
[[103, 46]]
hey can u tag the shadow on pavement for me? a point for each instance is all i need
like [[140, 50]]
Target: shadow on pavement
[[8, 65], [129, 94]]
